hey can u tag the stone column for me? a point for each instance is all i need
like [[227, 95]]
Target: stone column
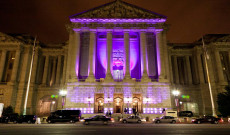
[[64, 70], [35, 66], [92, 45], [219, 67], [145, 76], [165, 56], [109, 48], [58, 73], [15, 66], [200, 68], [176, 73], [54, 70], [189, 73], [45, 72], [160, 55], [2, 63], [73, 56], [127, 55]]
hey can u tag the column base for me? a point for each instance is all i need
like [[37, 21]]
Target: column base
[[145, 79], [127, 78], [90, 79], [108, 78]]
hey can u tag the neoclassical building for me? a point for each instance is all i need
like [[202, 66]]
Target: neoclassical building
[[117, 57]]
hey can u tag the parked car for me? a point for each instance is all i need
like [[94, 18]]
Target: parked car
[[13, 117], [207, 119], [98, 119], [27, 118], [133, 119], [186, 114], [64, 116], [165, 119]]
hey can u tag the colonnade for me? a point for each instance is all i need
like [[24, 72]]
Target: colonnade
[[74, 53]]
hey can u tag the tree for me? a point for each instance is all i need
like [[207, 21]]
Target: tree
[[8, 110], [223, 101]]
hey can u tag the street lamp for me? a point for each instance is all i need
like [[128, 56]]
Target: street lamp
[[63, 94], [176, 93]]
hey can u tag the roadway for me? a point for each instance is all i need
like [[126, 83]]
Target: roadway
[[115, 129]]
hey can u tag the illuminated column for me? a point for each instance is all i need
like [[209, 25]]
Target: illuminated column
[[73, 56], [92, 44], [15, 66], [2, 63], [166, 56], [109, 48], [54, 70], [219, 67], [160, 55], [144, 57], [200, 68], [58, 73], [188, 69], [45, 73], [64, 69], [176, 70], [127, 55]]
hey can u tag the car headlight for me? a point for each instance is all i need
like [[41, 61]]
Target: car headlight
[[153, 119], [82, 120]]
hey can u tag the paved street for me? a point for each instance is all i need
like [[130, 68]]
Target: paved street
[[115, 129]]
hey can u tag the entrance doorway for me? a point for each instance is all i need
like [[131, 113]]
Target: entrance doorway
[[137, 102], [99, 104], [118, 103]]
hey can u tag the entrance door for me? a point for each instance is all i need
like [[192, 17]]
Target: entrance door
[[118, 102]]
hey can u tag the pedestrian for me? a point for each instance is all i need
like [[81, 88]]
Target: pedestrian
[[110, 113], [107, 113], [125, 110]]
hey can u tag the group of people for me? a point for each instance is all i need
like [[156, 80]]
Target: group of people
[[135, 112], [108, 113]]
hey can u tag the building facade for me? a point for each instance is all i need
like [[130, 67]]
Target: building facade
[[117, 58]]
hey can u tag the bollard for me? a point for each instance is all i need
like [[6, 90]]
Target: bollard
[[38, 121]]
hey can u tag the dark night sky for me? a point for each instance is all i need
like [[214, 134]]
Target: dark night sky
[[189, 19]]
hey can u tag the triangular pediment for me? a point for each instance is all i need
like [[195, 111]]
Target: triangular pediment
[[118, 9], [6, 38]]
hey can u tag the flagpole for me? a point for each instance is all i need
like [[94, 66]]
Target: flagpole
[[28, 84], [209, 82]]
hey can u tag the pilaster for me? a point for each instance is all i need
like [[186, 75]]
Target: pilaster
[[176, 70], [189, 73], [58, 73], [15, 66], [45, 73], [219, 67], [2, 63]]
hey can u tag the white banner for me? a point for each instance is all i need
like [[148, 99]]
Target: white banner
[[1, 109]]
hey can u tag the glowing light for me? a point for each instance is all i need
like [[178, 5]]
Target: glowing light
[[176, 93], [63, 92]]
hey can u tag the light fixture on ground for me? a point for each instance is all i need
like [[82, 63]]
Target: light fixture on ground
[[63, 94]]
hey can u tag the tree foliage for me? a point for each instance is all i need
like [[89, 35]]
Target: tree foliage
[[223, 100]]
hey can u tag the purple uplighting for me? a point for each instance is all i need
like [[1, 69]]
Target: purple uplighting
[[88, 20]]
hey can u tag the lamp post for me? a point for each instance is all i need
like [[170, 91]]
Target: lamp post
[[63, 94], [176, 93]]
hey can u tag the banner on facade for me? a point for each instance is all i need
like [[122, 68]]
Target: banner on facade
[[1, 109]]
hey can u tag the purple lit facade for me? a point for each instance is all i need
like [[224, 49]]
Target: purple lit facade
[[119, 65]]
